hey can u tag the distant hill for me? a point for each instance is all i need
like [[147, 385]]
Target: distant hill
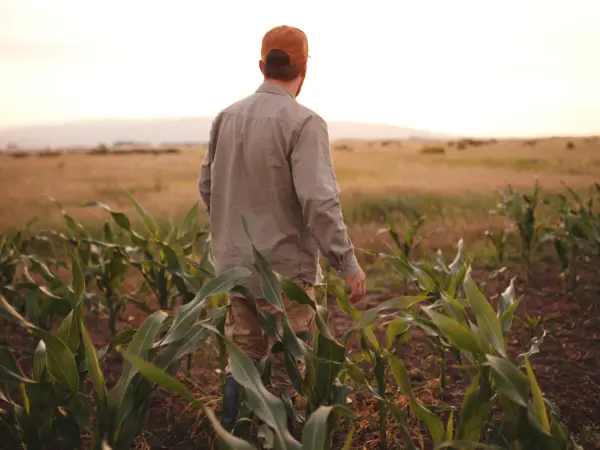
[[89, 133]]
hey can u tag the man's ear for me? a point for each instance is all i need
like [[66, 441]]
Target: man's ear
[[261, 66]]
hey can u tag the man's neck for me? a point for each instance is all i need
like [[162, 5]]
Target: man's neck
[[291, 88]]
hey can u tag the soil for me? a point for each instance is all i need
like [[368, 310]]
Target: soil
[[567, 367]]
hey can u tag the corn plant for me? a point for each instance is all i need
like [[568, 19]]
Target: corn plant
[[267, 407], [52, 402], [521, 210], [11, 249], [323, 394], [375, 352], [481, 334], [499, 240], [161, 257], [577, 235], [410, 239]]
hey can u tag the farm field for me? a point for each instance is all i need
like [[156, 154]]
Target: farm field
[[403, 200]]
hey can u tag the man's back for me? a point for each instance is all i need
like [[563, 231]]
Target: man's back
[[269, 161]]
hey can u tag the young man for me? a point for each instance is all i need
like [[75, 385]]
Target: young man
[[269, 161]]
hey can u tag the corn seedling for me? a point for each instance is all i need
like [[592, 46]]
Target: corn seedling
[[521, 209]]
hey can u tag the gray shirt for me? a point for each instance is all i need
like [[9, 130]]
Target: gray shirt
[[269, 160]]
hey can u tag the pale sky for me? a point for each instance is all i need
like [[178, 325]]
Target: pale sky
[[512, 67]]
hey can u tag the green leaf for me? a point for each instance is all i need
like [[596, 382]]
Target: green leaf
[[458, 335], [120, 218], [77, 281], [142, 341], [431, 421], [403, 429], [189, 222], [450, 427], [68, 332], [265, 405], [159, 376], [10, 368], [188, 313], [93, 366], [396, 303], [60, 361], [149, 223], [348, 442], [163, 379], [11, 313], [227, 441], [269, 282], [316, 431], [476, 405], [344, 302], [397, 327], [510, 381], [539, 408], [487, 320]]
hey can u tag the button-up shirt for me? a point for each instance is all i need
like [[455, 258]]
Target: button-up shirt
[[269, 161]]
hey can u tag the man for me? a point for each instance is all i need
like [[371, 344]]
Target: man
[[269, 161]]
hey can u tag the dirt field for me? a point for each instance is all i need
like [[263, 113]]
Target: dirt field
[[567, 367]]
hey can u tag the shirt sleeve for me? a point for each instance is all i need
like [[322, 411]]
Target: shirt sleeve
[[318, 192], [204, 183]]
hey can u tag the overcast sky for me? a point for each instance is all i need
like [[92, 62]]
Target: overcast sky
[[512, 67]]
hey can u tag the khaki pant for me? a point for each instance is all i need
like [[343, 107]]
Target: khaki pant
[[242, 327]]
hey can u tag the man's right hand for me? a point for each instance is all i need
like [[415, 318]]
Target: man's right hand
[[358, 286]]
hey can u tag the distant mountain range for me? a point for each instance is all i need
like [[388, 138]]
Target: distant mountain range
[[89, 133]]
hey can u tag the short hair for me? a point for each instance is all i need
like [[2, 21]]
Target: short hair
[[278, 67]]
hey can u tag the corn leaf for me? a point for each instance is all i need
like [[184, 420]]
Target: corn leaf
[[142, 341], [315, 435], [450, 427], [11, 313], [397, 327], [68, 331], [476, 404], [510, 381], [93, 366], [487, 320], [348, 442], [163, 379], [396, 303], [60, 361], [149, 223], [539, 408], [77, 281], [265, 405], [188, 313], [431, 421], [10, 369], [404, 431], [269, 282], [189, 222], [458, 335]]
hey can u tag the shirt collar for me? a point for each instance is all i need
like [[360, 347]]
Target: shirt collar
[[274, 88]]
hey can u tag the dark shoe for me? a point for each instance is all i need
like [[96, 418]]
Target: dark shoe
[[231, 398]]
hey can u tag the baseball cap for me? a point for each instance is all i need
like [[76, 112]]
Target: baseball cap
[[284, 41]]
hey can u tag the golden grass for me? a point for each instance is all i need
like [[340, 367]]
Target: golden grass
[[166, 184]]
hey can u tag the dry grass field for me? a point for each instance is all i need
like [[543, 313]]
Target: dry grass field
[[373, 176]]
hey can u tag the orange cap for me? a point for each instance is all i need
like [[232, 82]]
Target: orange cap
[[292, 41]]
